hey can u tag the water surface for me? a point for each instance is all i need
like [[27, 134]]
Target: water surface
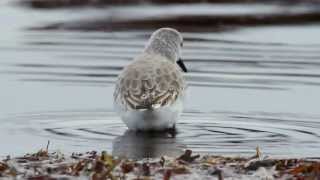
[[251, 83]]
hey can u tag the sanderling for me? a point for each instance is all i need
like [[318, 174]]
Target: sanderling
[[150, 91]]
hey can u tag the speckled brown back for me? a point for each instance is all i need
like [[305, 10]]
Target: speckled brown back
[[150, 81]]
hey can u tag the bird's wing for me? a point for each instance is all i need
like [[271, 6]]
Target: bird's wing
[[149, 85]]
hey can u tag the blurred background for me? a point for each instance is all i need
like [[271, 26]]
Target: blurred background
[[254, 74]]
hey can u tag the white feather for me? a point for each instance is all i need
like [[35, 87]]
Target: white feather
[[157, 119]]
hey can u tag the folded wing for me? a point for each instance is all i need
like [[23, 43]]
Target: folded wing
[[149, 85]]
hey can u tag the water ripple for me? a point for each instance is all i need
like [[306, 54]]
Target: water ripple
[[256, 62], [217, 132], [212, 62]]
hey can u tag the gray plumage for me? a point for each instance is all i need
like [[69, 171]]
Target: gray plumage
[[153, 79]]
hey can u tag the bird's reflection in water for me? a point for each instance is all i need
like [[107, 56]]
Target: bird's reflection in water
[[137, 145]]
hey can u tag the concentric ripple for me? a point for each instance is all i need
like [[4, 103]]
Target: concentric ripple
[[217, 132], [253, 78]]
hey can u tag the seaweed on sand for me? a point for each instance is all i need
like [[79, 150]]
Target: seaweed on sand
[[53, 165]]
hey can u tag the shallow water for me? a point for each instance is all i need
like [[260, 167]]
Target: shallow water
[[249, 85]]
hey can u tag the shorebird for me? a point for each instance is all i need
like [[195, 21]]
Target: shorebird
[[150, 91]]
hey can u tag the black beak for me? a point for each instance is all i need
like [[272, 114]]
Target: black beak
[[182, 66]]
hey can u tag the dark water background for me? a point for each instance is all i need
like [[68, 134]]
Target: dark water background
[[254, 76]]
